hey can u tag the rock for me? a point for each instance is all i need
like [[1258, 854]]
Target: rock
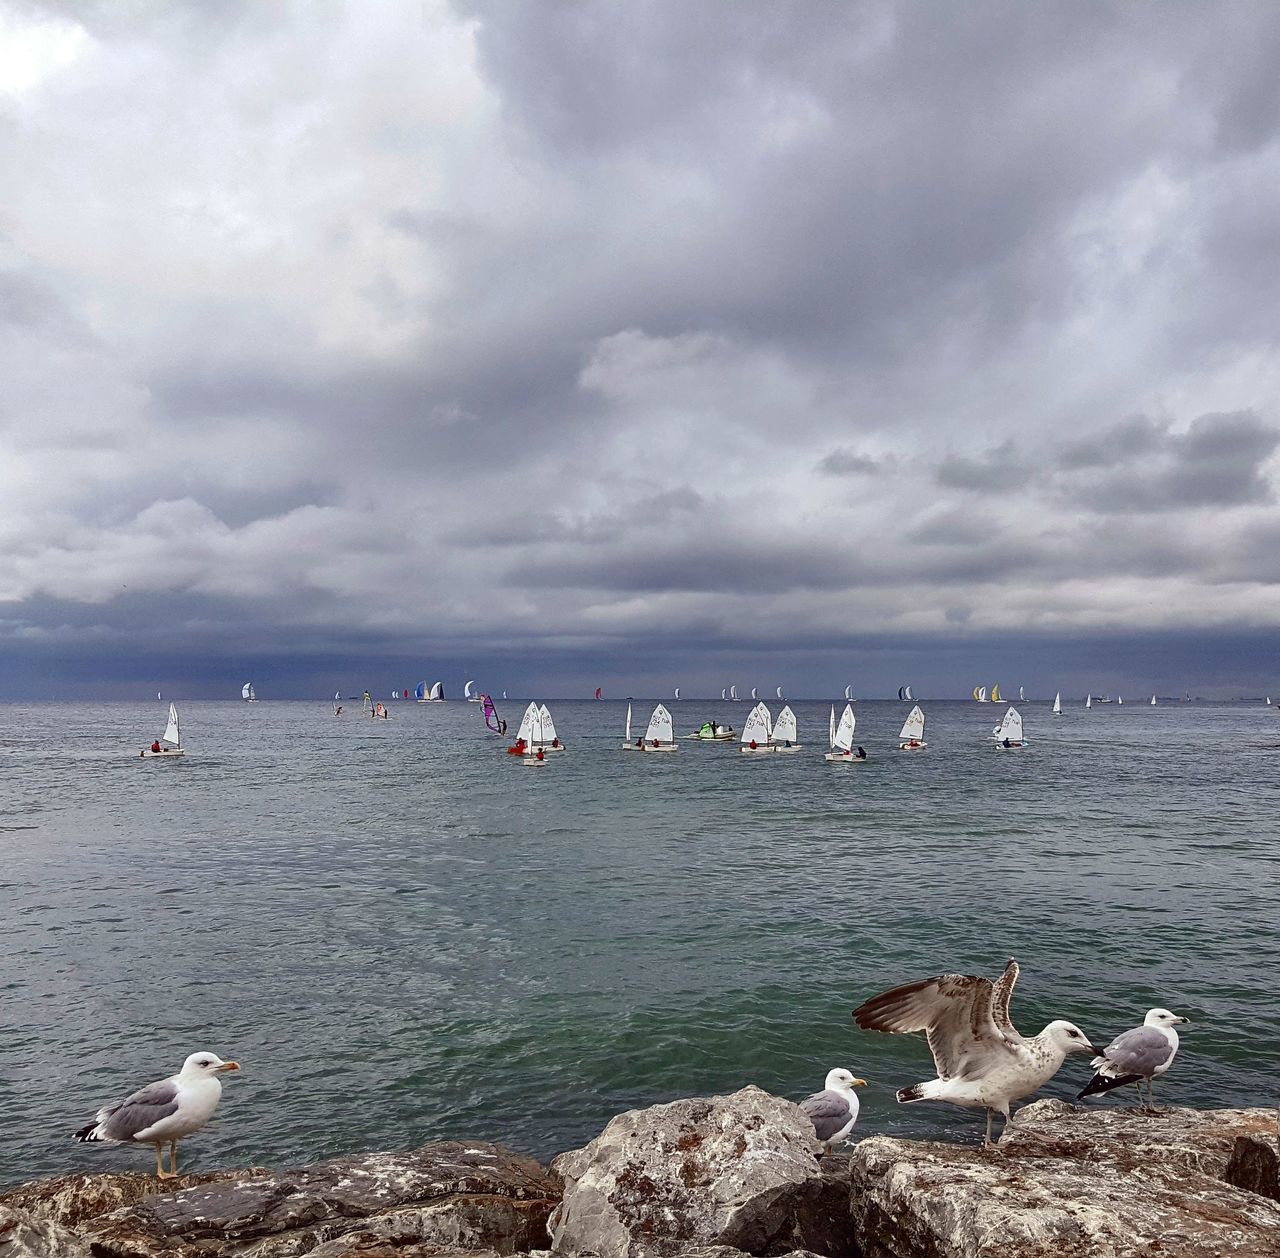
[[1255, 1164], [1070, 1183], [23, 1236], [738, 1171], [442, 1197]]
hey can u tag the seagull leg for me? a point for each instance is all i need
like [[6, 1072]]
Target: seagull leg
[[159, 1167], [986, 1143], [173, 1156]]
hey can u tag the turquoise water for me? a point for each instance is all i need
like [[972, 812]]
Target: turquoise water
[[404, 935]]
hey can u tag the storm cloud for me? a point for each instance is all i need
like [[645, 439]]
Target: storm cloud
[[618, 340]]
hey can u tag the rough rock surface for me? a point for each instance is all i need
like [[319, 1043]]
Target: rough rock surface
[[1071, 1184], [23, 1236], [443, 1196], [736, 1170]]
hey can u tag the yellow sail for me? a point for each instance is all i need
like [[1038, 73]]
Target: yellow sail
[[996, 696]]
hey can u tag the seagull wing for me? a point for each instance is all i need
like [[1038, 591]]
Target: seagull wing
[[829, 1112], [1142, 1051], [953, 1010], [146, 1107], [1001, 994]]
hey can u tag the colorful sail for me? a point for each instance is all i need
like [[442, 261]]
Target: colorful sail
[[490, 714]]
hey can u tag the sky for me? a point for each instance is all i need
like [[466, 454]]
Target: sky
[[639, 344]]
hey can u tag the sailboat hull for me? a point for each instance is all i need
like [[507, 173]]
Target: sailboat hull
[[844, 757], [920, 746], [165, 753], [759, 750]]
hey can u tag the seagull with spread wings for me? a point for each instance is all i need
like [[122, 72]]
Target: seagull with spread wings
[[982, 1060]]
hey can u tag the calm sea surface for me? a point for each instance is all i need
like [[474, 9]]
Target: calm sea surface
[[404, 935]]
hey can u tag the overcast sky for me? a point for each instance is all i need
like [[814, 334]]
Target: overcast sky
[[634, 343]]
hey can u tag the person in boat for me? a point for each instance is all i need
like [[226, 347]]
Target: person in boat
[[542, 755], [155, 746], [1007, 743], [862, 754], [753, 744], [714, 729], [555, 742], [502, 726]]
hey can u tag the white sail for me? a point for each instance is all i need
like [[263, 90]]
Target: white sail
[[1120, 699], [246, 691], [910, 698], [784, 728], [1022, 698], [159, 696], [831, 726], [548, 734], [758, 727], [1153, 701], [171, 733], [848, 693], [627, 736], [780, 694], [527, 722], [1010, 728], [1057, 704], [677, 694], [1088, 701], [733, 694], [437, 690], [469, 690], [754, 695], [913, 726], [842, 739], [660, 728], [724, 694]]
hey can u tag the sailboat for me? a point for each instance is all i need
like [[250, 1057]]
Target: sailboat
[[754, 695], [627, 744], [1153, 701], [724, 694], [1088, 701], [848, 694], [1008, 734], [841, 737], [1120, 700], [530, 743], [757, 731], [436, 693], [160, 698], [904, 693], [980, 694], [548, 739], [1057, 704], [420, 692], [246, 693], [996, 696], [911, 737], [491, 719], [469, 692], [733, 695], [785, 736], [677, 693], [170, 743], [781, 695], [1022, 698], [660, 736], [599, 694], [337, 703]]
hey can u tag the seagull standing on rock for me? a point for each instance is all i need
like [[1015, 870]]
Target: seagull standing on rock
[[163, 1112], [982, 1060], [834, 1110], [1145, 1052]]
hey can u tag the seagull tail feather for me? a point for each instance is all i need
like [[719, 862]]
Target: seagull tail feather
[[1104, 1083], [919, 1092], [88, 1134]]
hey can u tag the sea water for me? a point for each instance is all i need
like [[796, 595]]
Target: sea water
[[403, 934]]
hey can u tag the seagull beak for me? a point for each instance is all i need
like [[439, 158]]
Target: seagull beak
[[1186, 1021], [227, 1065], [859, 1083], [1097, 1052]]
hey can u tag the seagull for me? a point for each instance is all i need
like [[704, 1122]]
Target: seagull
[[1145, 1052], [982, 1061], [163, 1112], [834, 1110]]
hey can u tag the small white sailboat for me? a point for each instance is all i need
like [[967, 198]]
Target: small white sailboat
[[1088, 701], [1057, 704], [627, 744], [548, 739], [754, 695], [724, 694], [1153, 701], [529, 744], [980, 694], [757, 731], [469, 693], [1008, 734], [160, 698], [785, 734], [660, 736], [904, 693], [1022, 697], [781, 695], [911, 736], [169, 744], [677, 693], [1120, 700], [848, 693], [436, 694], [841, 737], [733, 695], [246, 693]]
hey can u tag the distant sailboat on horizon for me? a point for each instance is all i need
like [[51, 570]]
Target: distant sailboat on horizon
[[1057, 704], [247, 694]]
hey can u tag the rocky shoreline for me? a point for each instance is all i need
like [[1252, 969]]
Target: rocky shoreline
[[717, 1177]]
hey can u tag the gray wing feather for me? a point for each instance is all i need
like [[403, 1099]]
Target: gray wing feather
[[1138, 1052], [137, 1112], [953, 1010], [828, 1111], [1001, 994]]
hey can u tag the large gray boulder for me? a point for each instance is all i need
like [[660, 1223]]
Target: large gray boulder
[[1071, 1183], [738, 1171], [443, 1196]]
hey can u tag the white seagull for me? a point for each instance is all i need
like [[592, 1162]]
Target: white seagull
[[834, 1110], [163, 1112], [1145, 1052], [982, 1060]]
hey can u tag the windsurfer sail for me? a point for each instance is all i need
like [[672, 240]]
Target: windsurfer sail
[[491, 716]]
